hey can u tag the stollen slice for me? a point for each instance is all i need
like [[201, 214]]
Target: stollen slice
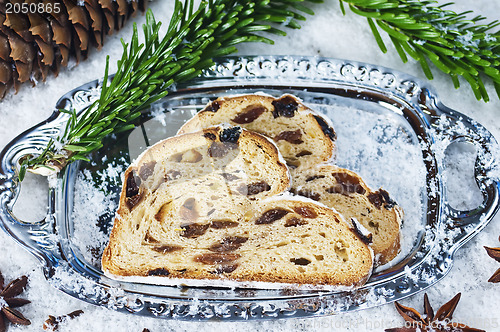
[[303, 136], [192, 178], [282, 243], [347, 193]]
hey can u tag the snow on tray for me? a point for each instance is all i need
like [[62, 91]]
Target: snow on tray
[[93, 201]]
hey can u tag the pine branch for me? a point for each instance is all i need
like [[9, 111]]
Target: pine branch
[[145, 71], [430, 33]]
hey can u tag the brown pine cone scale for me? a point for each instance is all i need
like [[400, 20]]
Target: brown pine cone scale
[[38, 37]]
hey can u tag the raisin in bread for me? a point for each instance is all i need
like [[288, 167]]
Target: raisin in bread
[[303, 136], [346, 192], [282, 242]]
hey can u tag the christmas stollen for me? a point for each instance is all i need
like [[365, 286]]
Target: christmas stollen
[[333, 186], [303, 136], [207, 208], [345, 191]]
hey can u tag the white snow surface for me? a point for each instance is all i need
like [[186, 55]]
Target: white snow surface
[[328, 34]]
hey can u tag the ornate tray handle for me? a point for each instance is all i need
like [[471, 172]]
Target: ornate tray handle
[[460, 128], [35, 236]]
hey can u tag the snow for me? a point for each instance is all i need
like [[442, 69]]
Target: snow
[[468, 39], [489, 38], [329, 34], [158, 113], [3, 304], [91, 202]]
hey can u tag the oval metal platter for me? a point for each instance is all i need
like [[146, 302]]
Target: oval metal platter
[[408, 103]]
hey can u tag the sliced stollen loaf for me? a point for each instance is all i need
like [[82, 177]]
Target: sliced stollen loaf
[[193, 179], [195, 210], [303, 136], [346, 192]]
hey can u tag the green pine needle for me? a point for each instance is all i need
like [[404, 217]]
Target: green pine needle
[[145, 71], [426, 31]]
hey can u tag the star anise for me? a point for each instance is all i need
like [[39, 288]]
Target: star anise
[[439, 322], [8, 302], [495, 254], [52, 324]]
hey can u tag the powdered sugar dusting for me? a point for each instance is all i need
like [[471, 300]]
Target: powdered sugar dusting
[[65, 278]]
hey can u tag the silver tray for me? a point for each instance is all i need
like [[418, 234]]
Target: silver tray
[[404, 100]]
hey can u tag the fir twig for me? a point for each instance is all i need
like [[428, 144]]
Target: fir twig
[[430, 33], [145, 71]]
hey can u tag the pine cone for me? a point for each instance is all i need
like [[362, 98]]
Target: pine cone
[[39, 42]]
